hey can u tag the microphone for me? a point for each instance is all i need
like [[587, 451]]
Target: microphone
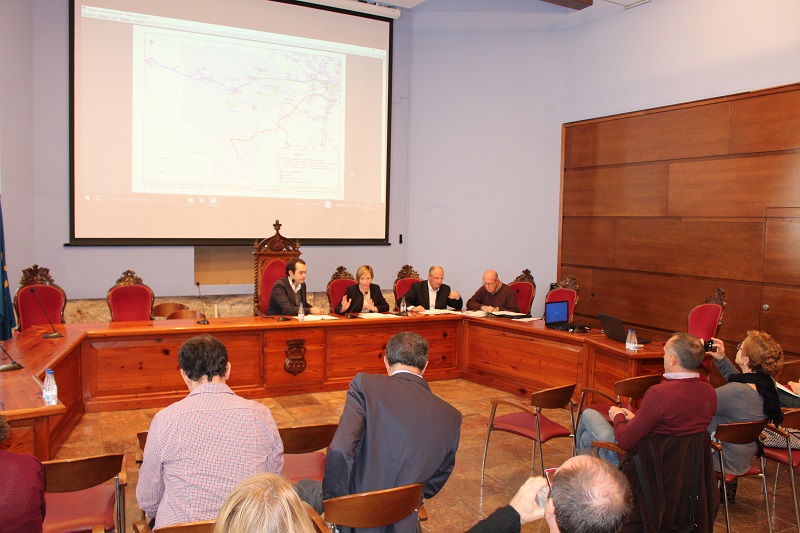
[[202, 305], [54, 334], [13, 365], [578, 328], [355, 315]]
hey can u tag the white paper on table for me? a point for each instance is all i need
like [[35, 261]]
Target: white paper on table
[[377, 315], [477, 313], [526, 319], [507, 313], [786, 389], [314, 318], [439, 312]]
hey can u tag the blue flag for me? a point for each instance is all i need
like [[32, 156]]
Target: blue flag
[[7, 318]]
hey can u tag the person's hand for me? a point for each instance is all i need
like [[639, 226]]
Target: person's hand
[[487, 308], [795, 386], [316, 311], [369, 304], [719, 349], [454, 295], [417, 308], [524, 501], [613, 411], [346, 303]]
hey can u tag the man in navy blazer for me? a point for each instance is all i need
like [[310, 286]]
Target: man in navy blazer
[[393, 432], [289, 293], [418, 297]]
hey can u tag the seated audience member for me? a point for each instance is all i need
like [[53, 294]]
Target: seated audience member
[[432, 294], [22, 506], [200, 448], [587, 496], [266, 503], [680, 405], [493, 296], [393, 432], [749, 395], [363, 297], [289, 293]]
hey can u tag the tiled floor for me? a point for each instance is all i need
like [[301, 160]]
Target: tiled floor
[[462, 501]]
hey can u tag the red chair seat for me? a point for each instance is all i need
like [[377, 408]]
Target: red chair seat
[[753, 471], [304, 466], [130, 302], [524, 425], [96, 506], [780, 455]]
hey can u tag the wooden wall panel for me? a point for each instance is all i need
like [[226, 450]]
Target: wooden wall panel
[[781, 258], [635, 190], [780, 320], [765, 123], [736, 187], [588, 241], [683, 133]]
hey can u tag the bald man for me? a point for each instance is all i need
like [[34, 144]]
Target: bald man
[[433, 293], [493, 296]]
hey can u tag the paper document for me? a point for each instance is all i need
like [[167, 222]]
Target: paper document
[[527, 319], [507, 313], [377, 315], [786, 389], [314, 318], [477, 313], [439, 312]]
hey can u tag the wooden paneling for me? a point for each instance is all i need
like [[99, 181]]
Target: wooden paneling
[[683, 133], [21, 439], [765, 123], [782, 256], [780, 320], [276, 344], [588, 241], [736, 187], [634, 190]]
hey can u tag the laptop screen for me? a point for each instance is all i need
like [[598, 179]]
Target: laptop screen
[[555, 312]]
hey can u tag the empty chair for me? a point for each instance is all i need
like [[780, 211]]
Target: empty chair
[[406, 277], [525, 288], [566, 290], [340, 280], [202, 526], [373, 509], [740, 433], [301, 456], [78, 497], [37, 283], [129, 298], [532, 424], [787, 455], [186, 313], [630, 388], [166, 309]]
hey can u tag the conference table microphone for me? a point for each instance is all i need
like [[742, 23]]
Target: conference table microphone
[[577, 328], [13, 365], [355, 315], [53, 334], [204, 320]]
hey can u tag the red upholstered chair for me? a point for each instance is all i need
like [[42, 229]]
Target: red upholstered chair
[[531, 423], [631, 388], [79, 499], [270, 257], [38, 280], [525, 287], [705, 320], [740, 433], [787, 456], [565, 290], [340, 281], [130, 299], [301, 456], [406, 277]]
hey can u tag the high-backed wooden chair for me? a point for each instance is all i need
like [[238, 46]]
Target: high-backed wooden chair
[[301, 456], [340, 281], [525, 287], [36, 282], [202, 526], [166, 309], [565, 290], [373, 509], [531, 423], [705, 320], [78, 497], [630, 388], [406, 277], [130, 299], [270, 257]]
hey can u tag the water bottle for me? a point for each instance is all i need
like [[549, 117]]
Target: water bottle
[[631, 343], [50, 389], [403, 307], [301, 312]]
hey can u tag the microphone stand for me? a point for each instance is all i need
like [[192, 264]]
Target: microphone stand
[[204, 320], [13, 365], [578, 328], [53, 334]]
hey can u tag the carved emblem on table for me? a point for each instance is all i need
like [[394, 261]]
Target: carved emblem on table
[[295, 356]]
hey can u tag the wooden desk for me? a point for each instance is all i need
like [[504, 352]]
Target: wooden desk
[[133, 365]]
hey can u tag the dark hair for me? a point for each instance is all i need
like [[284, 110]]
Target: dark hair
[[407, 348], [291, 266], [4, 428], [688, 349], [590, 497], [201, 356]]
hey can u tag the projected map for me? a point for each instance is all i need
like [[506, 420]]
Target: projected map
[[239, 117]]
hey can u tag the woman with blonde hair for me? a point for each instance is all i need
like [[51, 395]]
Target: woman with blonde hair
[[364, 296], [264, 503]]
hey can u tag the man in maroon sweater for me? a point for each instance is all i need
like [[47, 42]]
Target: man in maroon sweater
[[680, 405]]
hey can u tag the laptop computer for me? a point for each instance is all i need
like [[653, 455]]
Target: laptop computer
[[556, 315], [615, 330]]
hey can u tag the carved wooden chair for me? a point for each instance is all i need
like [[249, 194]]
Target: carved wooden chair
[[36, 282], [301, 456], [270, 258], [78, 497], [630, 388], [525, 287], [373, 509], [531, 423], [787, 456], [705, 320], [565, 290], [130, 299], [740, 433], [340, 281], [166, 309], [406, 277]]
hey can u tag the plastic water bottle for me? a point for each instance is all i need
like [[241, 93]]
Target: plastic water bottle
[[403, 307], [631, 343], [50, 389], [301, 312]]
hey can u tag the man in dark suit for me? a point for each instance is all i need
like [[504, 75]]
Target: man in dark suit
[[289, 293], [394, 431], [422, 293]]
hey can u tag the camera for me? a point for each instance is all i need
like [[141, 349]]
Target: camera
[[708, 346]]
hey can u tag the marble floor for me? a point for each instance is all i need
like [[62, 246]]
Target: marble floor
[[462, 502]]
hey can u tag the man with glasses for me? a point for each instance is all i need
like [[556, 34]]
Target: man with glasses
[[493, 296], [432, 294]]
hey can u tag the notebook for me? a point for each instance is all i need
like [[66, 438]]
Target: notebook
[[556, 315], [615, 330]]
